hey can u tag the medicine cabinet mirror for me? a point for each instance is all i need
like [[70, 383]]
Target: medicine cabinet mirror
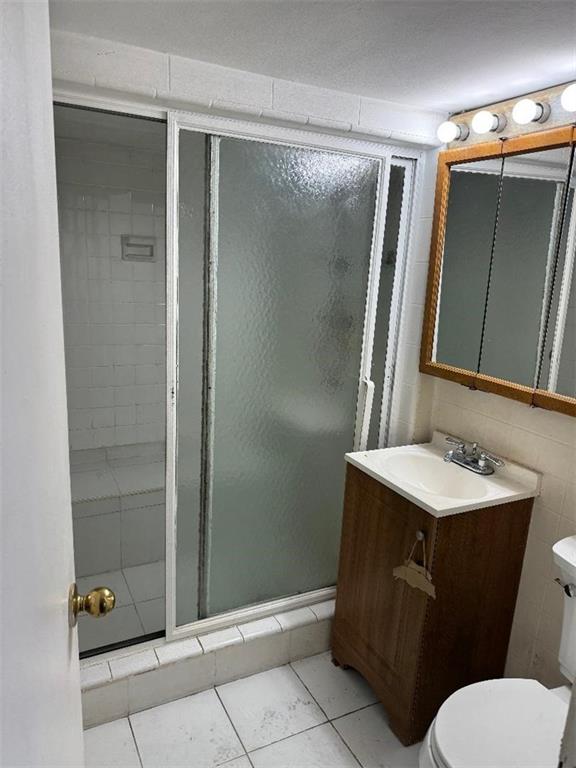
[[501, 306]]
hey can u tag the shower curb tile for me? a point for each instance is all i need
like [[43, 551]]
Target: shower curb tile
[[222, 638], [325, 610], [171, 681], [257, 654], [298, 618], [134, 664], [94, 675], [259, 628], [310, 640], [179, 650], [105, 703], [172, 670]]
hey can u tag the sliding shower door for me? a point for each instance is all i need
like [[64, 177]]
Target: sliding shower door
[[275, 245], [294, 236]]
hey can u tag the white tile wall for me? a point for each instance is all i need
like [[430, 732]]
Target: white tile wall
[[546, 441], [114, 310], [173, 80]]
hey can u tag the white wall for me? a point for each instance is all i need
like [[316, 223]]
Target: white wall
[[179, 82]]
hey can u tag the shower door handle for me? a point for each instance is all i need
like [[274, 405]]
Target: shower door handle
[[98, 602], [366, 411]]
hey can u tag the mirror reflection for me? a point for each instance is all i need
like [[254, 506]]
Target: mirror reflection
[[471, 213], [525, 245], [506, 304], [558, 364]]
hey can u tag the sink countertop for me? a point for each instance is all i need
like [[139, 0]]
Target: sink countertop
[[512, 482]]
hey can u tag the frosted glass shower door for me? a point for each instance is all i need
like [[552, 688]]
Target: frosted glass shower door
[[293, 245]]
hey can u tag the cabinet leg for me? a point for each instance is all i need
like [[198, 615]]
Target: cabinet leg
[[338, 664]]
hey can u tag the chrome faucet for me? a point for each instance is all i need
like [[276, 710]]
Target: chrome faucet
[[472, 457]]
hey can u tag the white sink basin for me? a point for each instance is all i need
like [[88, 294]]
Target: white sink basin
[[419, 473], [425, 473]]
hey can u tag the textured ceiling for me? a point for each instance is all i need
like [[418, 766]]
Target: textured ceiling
[[436, 55]]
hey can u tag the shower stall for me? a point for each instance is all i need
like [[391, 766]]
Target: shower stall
[[223, 353]]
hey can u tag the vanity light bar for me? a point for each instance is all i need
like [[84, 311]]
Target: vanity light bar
[[568, 98], [449, 131], [526, 111], [486, 121]]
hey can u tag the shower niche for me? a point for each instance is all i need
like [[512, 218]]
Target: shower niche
[[222, 354]]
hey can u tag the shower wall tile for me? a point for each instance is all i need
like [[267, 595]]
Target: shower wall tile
[[114, 311]]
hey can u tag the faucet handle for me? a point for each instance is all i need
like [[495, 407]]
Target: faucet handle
[[454, 441], [484, 457]]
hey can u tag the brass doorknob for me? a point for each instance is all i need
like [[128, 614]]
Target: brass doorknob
[[98, 602]]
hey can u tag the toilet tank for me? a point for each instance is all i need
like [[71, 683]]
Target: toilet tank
[[565, 558]]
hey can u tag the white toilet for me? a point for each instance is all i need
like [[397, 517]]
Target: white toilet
[[509, 723]]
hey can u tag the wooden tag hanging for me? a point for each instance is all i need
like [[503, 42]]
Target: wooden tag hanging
[[416, 576]]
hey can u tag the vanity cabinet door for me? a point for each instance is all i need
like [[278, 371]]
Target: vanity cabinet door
[[379, 620]]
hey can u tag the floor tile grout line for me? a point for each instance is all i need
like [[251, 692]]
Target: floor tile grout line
[[316, 725], [135, 742], [285, 738], [231, 721], [355, 711], [310, 692], [337, 717], [348, 747], [328, 720]]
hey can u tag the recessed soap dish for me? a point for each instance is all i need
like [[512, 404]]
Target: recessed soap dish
[[138, 248]]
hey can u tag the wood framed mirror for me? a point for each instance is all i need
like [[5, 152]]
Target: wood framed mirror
[[500, 311]]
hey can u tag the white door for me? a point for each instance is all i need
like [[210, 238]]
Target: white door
[[40, 690]]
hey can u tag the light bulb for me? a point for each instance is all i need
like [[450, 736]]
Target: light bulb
[[485, 122], [449, 131], [529, 111], [568, 98]]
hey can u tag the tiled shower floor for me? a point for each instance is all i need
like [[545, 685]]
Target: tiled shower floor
[[308, 714], [139, 605]]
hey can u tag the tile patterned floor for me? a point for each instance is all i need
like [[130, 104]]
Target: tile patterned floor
[[308, 714], [139, 608]]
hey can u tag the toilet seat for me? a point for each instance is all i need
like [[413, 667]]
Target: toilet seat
[[509, 723]]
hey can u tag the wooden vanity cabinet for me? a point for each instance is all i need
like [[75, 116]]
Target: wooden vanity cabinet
[[415, 650]]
